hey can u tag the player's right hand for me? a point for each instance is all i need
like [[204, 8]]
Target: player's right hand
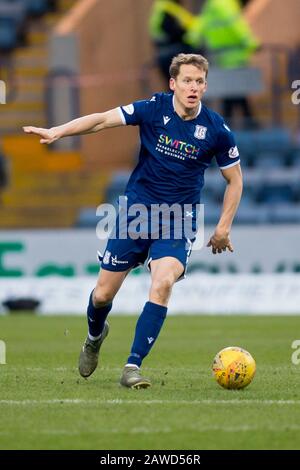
[[220, 242], [47, 135]]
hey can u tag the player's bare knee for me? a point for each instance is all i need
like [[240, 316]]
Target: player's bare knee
[[163, 286], [102, 297]]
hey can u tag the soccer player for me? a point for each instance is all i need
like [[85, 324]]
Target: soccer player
[[179, 138]]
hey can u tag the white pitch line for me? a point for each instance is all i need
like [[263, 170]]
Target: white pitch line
[[166, 430], [79, 401]]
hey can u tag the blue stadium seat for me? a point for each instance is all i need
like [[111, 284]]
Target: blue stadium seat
[[295, 158], [209, 195], [211, 213], [285, 213], [249, 195], [245, 142], [275, 139], [276, 193], [15, 9], [254, 214], [87, 218], [253, 141], [8, 34], [36, 7], [268, 159], [116, 187], [247, 158], [13, 18]]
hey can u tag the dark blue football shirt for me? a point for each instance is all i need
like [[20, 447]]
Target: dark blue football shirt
[[174, 152]]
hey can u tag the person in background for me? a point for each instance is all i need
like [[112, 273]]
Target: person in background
[[230, 43], [169, 24]]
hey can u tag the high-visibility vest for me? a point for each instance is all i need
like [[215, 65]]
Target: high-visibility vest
[[225, 33], [162, 7]]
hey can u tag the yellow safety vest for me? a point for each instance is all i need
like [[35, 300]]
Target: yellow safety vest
[[225, 33], [160, 8]]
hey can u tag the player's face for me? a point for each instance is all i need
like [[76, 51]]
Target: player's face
[[189, 86]]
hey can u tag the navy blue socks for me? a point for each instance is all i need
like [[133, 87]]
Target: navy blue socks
[[96, 318], [147, 330]]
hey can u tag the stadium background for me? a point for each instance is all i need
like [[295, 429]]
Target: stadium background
[[61, 59]]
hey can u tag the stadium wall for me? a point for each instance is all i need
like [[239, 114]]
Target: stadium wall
[[59, 269], [110, 64], [71, 253], [275, 22]]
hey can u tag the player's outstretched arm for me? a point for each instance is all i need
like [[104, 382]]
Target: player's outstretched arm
[[220, 240], [83, 125]]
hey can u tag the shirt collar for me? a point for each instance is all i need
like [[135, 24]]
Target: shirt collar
[[199, 108]]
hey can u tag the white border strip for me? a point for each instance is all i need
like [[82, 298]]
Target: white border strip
[[122, 116]]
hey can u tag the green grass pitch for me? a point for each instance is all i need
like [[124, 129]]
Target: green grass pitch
[[44, 404]]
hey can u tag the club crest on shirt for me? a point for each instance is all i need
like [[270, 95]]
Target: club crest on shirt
[[200, 132]]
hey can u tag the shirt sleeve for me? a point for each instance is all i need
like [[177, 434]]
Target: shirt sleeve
[[227, 153], [138, 112]]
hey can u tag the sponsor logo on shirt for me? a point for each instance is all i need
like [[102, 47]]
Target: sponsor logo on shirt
[[233, 152], [177, 148], [166, 120]]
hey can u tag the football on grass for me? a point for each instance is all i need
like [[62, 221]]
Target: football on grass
[[234, 368]]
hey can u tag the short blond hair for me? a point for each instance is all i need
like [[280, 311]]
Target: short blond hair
[[186, 59]]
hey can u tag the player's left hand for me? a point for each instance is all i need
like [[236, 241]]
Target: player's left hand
[[220, 241]]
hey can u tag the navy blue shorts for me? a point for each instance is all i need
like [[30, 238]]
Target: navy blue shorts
[[121, 255]]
